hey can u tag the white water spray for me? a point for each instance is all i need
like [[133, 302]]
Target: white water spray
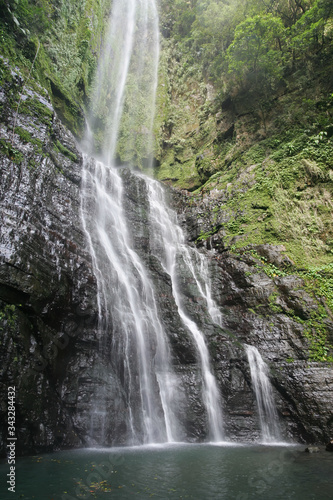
[[123, 101], [128, 309], [126, 301]]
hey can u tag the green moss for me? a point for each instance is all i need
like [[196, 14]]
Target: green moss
[[12, 153], [8, 314], [8, 318], [69, 111], [33, 107], [203, 236], [178, 174], [318, 283], [32, 164], [272, 303], [65, 151], [184, 126], [317, 335], [5, 73], [280, 202], [26, 137], [69, 36]]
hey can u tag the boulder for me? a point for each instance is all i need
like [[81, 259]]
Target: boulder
[[312, 449], [329, 446]]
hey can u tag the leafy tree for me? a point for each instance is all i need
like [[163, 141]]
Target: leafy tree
[[313, 31], [176, 17], [255, 58], [213, 32], [289, 11]]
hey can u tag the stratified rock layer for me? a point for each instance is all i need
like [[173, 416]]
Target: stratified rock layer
[[269, 313], [47, 288]]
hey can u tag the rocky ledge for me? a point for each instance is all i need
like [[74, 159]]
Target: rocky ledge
[[47, 288]]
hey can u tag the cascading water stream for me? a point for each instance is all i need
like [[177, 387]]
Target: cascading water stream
[[127, 307], [268, 417], [200, 273], [126, 77], [169, 245], [122, 110]]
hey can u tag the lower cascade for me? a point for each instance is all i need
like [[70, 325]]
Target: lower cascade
[[129, 312], [268, 417], [168, 244]]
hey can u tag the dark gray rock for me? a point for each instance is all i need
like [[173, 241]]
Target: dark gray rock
[[48, 307], [312, 449], [51, 344], [268, 313], [274, 254], [329, 446]]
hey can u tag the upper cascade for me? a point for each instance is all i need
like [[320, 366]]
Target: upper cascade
[[123, 98]]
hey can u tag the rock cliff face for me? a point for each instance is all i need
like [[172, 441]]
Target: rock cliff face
[[47, 288], [270, 312], [48, 311]]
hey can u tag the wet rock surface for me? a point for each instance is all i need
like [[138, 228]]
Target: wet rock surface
[[47, 288], [329, 446], [51, 346], [268, 313]]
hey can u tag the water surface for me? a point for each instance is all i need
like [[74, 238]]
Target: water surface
[[176, 472]]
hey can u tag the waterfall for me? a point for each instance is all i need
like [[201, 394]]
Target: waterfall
[[122, 110], [127, 309], [268, 417], [123, 99], [169, 245], [200, 273], [126, 298]]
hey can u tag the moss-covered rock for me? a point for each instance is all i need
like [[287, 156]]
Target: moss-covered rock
[[56, 44]]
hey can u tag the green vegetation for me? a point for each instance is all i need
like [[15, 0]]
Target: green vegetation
[[245, 110], [234, 74], [11, 152], [280, 192], [244, 116], [318, 283], [65, 151], [69, 36], [33, 107], [26, 137], [8, 314], [247, 38], [205, 235]]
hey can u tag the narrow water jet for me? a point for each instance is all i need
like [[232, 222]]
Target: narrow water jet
[[268, 417]]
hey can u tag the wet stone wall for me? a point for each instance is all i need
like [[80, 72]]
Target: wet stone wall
[[50, 340]]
